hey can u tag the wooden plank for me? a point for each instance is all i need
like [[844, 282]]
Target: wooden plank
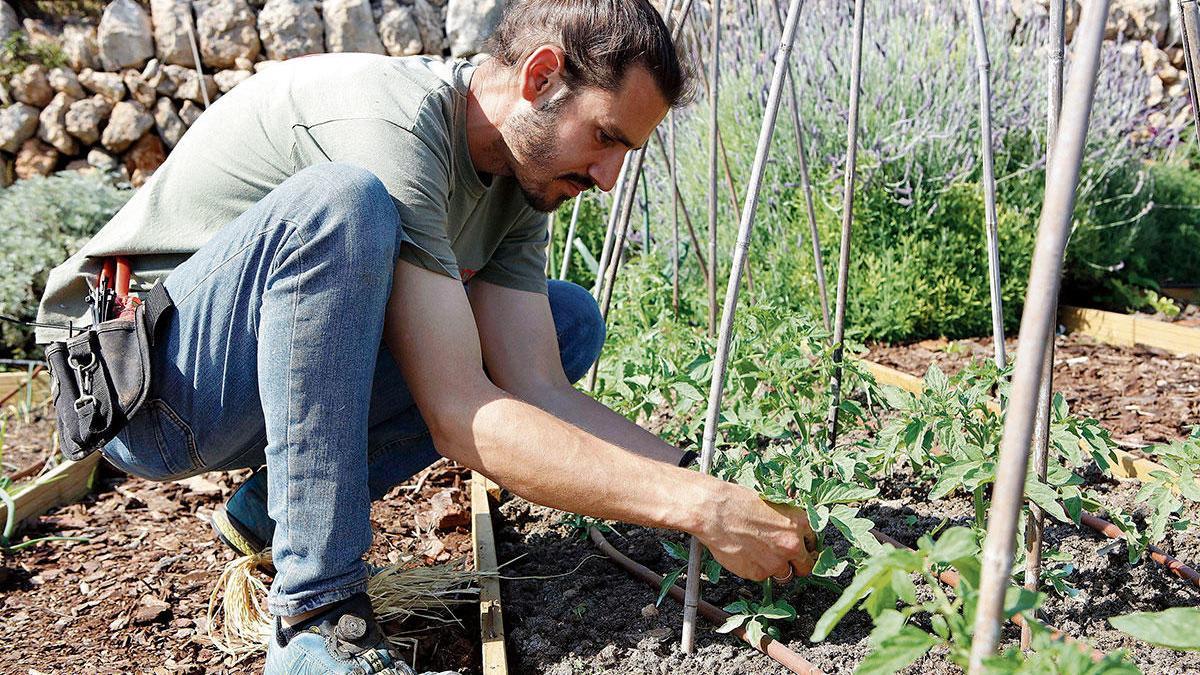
[[1123, 330], [1129, 466], [64, 484], [491, 615], [11, 381]]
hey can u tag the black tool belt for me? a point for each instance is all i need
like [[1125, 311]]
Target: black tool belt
[[100, 378]]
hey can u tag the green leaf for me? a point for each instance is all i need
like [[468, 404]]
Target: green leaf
[[1175, 628], [828, 564], [955, 543], [754, 632], [951, 477], [904, 587], [1046, 498], [780, 609], [732, 623], [856, 530], [898, 651], [834, 492], [888, 623], [676, 550], [1017, 600], [667, 582]]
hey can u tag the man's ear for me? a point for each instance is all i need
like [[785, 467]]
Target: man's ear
[[541, 76]]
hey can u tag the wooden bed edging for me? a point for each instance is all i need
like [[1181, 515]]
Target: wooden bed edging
[[483, 542], [1127, 331], [64, 484]]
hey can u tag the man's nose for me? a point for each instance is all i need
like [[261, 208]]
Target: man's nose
[[605, 172]]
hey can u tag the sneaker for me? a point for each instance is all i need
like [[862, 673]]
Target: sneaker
[[344, 639], [242, 522]]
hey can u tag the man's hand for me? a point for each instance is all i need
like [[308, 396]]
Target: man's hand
[[755, 539]]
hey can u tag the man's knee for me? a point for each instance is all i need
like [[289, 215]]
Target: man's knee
[[579, 326]]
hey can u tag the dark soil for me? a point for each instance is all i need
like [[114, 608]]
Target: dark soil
[[81, 607], [1142, 395]]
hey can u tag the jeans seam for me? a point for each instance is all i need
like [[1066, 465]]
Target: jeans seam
[[287, 430], [184, 428], [257, 235], [377, 451], [293, 607]]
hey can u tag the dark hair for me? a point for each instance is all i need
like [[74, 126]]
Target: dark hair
[[601, 39]]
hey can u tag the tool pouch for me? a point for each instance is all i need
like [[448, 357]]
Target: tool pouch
[[100, 379]]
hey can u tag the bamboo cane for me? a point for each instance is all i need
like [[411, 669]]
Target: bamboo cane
[[1035, 522], [566, 261], [984, 66], [1189, 15], [806, 182], [1036, 326], [839, 323], [714, 94], [672, 166], [687, 216], [614, 212], [551, 221], [740, 252]]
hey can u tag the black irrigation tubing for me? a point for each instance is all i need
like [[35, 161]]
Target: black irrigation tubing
[[1036, 521], [1037, 324], [776, 650]]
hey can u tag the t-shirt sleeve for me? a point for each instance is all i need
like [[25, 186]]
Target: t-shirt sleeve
[[520, 260], [415, 171]]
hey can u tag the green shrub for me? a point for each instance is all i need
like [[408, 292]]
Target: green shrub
[[16, 53], [44, 221]]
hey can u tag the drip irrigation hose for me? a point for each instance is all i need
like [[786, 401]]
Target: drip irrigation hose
[[1035, 523], [1036, 327], [1170, 562], [776, 650]]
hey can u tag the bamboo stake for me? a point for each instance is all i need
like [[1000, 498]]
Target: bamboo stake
[[1035, 522], [984, 66], [805, 182], [551, 221], [566, 261], [618, 193], [1189, 15], [714, 93], [687, 216], [1036, 326], [673, 167], [740, 252], [839, 323]]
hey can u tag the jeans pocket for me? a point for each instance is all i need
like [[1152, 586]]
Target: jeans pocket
[[157, 444]]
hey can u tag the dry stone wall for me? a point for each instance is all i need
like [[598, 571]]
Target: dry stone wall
[[131, 87]]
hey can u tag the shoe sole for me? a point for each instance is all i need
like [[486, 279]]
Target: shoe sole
[[235, 535]]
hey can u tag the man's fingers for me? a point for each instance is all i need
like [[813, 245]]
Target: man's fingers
[[810, 542], [803, 566]]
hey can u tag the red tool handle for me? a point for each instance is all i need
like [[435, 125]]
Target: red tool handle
[[107, 273], [123, 274]]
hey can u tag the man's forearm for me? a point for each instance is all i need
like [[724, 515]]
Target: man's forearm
[[571, 405], [557, 464]]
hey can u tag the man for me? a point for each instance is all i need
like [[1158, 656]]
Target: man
[[319, 223]]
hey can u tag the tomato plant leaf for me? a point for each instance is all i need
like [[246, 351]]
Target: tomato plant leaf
[[1173, 628], [898, 651]]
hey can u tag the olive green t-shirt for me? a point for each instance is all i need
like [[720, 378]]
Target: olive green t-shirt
[[404, 119]]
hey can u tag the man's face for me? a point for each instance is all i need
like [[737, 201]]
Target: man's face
[[573, 141]]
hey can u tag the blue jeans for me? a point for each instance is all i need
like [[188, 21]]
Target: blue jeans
[[273, 356]]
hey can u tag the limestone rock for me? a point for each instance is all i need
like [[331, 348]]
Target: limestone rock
[[52, 126], [5, 97], [189, 112], [291, 28], [139, 89], [102, 160], [35, 158], [398, 29], [108, 85], [170, 18], [129, 121], [188, 87], [228, 79], [146, 155], [263, 65], [167, 121], [64, 80], [349, 27], [80, 46], [18, 123], [243, 63], [469, 23], [1140, 19], [32, 86], [431, 24], [41, 33], [226, 31], [8, 20], [84, 118], [125, 36]]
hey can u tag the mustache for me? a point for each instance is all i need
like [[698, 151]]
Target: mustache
[[585, 181]]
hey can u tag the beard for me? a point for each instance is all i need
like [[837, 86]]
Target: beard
[[532, 141]]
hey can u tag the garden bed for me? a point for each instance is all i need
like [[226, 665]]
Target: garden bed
[[136, 593]]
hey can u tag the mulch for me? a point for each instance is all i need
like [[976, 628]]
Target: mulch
[[1142, 395], [134, 596]]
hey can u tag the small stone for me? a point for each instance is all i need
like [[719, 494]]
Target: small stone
[[8, 20], [243, 63], [139, 89], [444, 512], [102, 160], [52, 125], [128, 122], [108, 85], [349, 27], [431, 23], [151, 610], [228, 79], [263, 65], [189, 88], [469, 23], [18, 123], [64, 80], [291, 28], [84, 118], [125, 36], [80, 46], [166, 119], [146, 155], [32, 86], [35, 158], [189, 112]]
